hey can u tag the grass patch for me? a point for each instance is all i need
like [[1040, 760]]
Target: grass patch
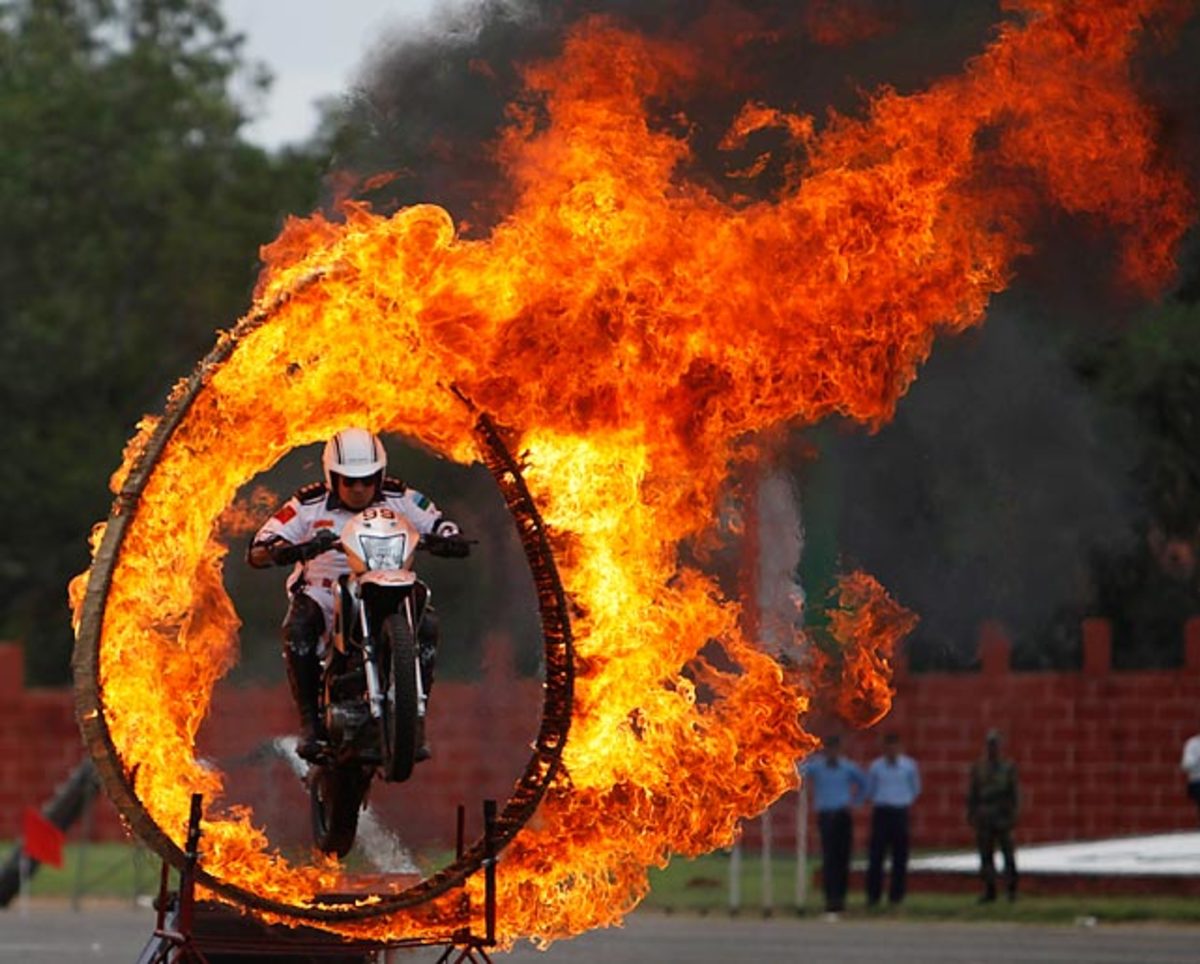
[[108, 870], [125, 871], [703, 886]]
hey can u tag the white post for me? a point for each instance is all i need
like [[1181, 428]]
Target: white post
[[801, 848], [26, 875], [768, 895], [735, 878]]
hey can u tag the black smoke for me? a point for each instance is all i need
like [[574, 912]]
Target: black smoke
[[428, 105], [988, 496]]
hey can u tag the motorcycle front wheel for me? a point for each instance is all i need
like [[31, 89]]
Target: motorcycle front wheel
[[336, 795], [399, 723]]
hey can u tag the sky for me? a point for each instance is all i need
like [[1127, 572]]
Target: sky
[[314, 48]]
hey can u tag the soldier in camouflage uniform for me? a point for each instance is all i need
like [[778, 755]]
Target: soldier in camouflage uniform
[[992, 805]]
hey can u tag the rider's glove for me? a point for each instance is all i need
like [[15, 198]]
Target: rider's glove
[[322, 542], [448, 543], [284, 553]]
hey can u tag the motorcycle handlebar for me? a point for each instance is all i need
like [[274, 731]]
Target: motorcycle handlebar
[[448, 547]]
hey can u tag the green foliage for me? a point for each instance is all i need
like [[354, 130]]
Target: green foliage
[[1152, 370], [133, 213]]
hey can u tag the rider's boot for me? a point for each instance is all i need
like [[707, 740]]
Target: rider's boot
[[423, 750], [304, 677]]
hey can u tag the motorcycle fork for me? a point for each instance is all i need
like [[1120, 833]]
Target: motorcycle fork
[[371, 664], [371, 667], [412, 621]]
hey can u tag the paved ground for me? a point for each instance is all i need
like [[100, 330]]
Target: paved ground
[[720, 941], [106, 934], [51, 933]]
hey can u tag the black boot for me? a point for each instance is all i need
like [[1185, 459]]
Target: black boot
[[423, 750], [304, 677], [428, 636]]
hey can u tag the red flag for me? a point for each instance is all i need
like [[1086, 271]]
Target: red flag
[[43, 841]]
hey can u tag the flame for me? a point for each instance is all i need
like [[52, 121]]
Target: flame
[[868, 626], [635, 329], [838, 23]]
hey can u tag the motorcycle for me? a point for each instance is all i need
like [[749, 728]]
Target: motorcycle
[[374, 695]]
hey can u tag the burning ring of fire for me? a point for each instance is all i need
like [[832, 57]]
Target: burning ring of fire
[[639, 327], [121, 783]]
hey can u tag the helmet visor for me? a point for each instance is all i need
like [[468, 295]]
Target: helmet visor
[[367, 481]]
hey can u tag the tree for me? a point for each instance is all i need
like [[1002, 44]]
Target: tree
[[132, 215], [1153, 370]]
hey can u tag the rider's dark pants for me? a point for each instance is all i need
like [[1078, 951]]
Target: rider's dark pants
[[302, 629], [303, 625], [428, 634]]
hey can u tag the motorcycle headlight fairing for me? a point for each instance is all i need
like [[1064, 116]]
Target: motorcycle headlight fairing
[[384, 552]]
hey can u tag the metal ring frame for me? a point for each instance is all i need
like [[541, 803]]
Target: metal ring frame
[[556, 632]]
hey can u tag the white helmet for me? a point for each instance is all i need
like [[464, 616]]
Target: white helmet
[[353, 453]]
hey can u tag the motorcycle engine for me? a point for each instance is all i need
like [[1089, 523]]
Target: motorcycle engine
[[344, 721]]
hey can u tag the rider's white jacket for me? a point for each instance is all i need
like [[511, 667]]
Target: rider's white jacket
[[314, 509]]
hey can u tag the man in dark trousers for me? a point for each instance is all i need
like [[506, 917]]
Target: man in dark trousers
[[992, 804], [893, 784], [837, 783]]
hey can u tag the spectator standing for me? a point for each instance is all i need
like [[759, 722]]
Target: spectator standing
[[1190, 765], [837, 784], [993, 801], [893, 784]]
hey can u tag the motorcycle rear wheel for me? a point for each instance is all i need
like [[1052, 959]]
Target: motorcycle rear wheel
[[336, 795]]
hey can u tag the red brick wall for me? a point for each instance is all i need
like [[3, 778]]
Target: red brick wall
[[40, 746], [1098, 750], [481, 733]]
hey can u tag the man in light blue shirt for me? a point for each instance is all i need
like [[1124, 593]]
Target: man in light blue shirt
[[837, 783], [893, 783]]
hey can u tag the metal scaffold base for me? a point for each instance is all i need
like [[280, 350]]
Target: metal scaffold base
[[470, 952], [209, 932]]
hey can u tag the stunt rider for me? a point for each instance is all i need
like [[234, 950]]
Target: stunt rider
[[301, 534]]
